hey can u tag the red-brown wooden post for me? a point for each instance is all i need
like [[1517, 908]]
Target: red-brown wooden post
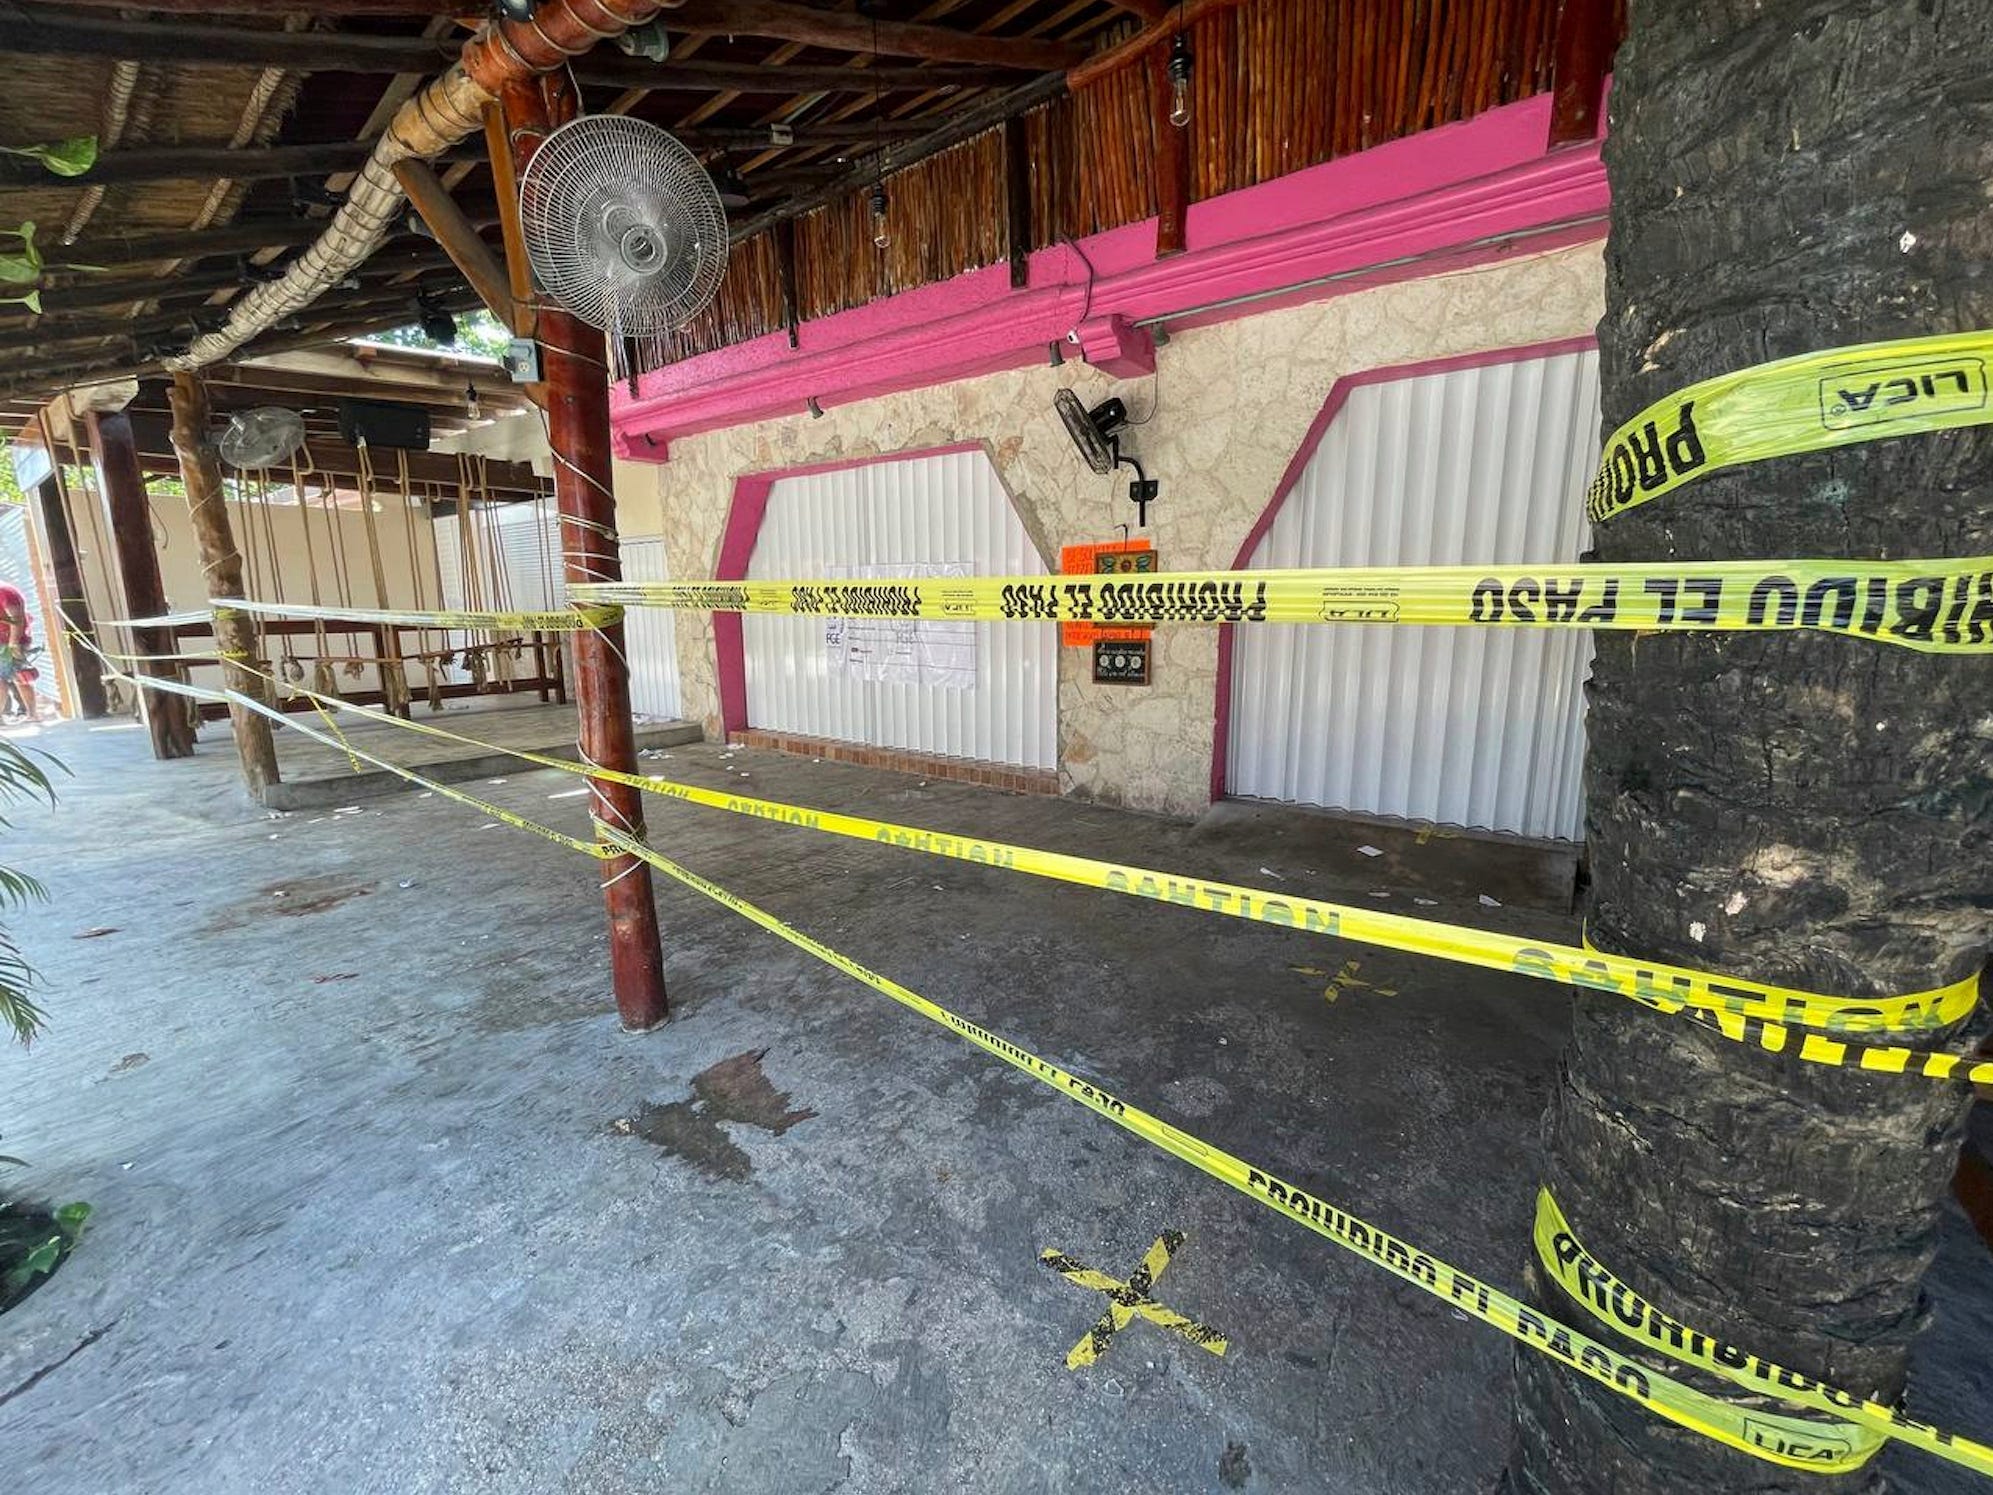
[[1172, 157], [128, 512], [85, 675], [1582, 58], [577, 384]]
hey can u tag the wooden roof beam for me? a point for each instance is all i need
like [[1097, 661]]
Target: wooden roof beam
[[950, 130], [265, 7], [44, 34], [162, 163], [1118, 56], [337, 459], [35, 340], [146, 248], [44, 375], [850, 32], [93, 295], [460, 241]]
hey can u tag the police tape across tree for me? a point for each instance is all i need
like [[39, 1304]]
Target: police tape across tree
[[1844, 1443], [1836, 397], [1936, 606]]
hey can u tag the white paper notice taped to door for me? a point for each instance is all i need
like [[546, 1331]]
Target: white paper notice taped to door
[[902, 651]]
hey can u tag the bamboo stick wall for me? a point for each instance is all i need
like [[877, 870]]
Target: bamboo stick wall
[[1278, 85]]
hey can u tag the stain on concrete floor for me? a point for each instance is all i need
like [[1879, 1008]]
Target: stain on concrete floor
[[291, 898], [733, 1090]]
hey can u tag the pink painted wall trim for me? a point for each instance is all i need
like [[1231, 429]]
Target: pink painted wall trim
[[744, 515], [1437, 193], [1304, 454]]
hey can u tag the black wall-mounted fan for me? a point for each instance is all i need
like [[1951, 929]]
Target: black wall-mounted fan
[[1097, 433]]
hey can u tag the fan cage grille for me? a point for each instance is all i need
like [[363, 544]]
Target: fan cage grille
[[256, 438], [623, 226]]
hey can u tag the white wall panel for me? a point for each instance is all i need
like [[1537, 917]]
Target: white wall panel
[[1476, 727], [925, 512], [650, 636], [529, 536]]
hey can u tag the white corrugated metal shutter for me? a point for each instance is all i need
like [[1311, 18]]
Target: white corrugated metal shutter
[[649, 636], [924, 514], [1476, 727]]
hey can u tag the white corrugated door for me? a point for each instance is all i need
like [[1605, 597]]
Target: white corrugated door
[[986, 691], [1476, 727], [649, 636]]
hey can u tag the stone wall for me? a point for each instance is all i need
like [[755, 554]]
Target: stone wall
[[1223, 417]]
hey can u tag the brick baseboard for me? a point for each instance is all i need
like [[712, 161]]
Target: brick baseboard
[[930, 765]]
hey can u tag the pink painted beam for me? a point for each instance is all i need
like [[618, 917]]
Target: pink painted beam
[[1379, 215]]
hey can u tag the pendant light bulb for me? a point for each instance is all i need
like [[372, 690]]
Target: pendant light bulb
[[1179, 76], [881, 233]]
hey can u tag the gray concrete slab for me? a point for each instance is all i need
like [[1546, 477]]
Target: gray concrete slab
[[319, 776], [385, 1201]]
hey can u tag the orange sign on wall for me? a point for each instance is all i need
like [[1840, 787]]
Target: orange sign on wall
[[1111, 558]]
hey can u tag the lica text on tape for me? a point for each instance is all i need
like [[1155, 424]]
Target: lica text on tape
[[1934, 606]]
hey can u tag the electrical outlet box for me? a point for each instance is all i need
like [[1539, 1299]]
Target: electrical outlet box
[[522, 361]]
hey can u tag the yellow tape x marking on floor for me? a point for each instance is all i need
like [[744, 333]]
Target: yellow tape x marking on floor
[[1129, 1300]]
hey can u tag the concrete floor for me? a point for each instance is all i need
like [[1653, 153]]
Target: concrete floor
[[319, 776], [386, 1202]]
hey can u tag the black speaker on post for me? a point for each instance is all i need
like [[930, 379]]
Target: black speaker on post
[[382, 423]]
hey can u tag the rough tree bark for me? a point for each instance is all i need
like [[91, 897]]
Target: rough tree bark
[[221, 567], [1787, 175]]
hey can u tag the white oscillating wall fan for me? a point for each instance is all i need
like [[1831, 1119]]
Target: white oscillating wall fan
[[262, 437], [623, 226]]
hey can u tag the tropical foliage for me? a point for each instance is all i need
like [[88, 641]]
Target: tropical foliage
[[22, 777]]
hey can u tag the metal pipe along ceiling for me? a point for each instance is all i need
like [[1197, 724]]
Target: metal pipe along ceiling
[[447, 110]]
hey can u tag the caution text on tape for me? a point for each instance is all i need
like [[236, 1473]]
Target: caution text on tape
[[1935, 606], [1761, 1014]]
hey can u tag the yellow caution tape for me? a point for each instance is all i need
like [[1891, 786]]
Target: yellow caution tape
[[1935, 606], [1780, 1439], [342, 744], [164, 620], [1758, 1013], [1860, 1427], [569, 620], [1837, 397]]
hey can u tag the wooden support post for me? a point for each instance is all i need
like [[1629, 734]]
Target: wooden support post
[[460, 241], [1584, 53], [128, 515], [221, 568], [577, 380], [1017, 201], [84, 674], [1172, 160], [785, 273]]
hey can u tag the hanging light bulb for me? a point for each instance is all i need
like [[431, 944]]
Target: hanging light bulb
[[1179, 76], [881, 234], [473, 407]]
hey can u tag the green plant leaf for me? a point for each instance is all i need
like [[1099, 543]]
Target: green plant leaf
[[71, 1217], [70, 157], [25, 267]]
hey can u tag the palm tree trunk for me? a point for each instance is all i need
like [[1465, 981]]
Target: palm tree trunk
[[1787, 175]]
